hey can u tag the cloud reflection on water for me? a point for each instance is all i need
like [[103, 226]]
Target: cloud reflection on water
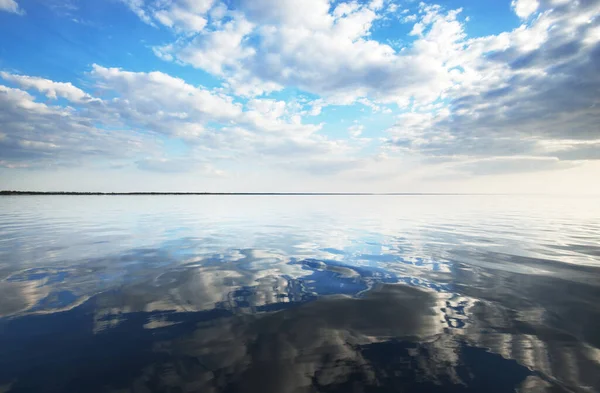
[[267, 298]]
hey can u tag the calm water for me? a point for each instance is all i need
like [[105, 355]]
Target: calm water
[[299, 294]]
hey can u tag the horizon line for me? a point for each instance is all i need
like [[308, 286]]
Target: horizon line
[[11, 192], [14, 192]]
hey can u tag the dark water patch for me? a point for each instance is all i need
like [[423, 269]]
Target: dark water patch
[[400, 366], [61, 352], [326, 344]]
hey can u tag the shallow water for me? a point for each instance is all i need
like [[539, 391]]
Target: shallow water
[[299, 294]]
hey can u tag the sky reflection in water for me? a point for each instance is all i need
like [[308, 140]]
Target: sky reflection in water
[[299, 294]]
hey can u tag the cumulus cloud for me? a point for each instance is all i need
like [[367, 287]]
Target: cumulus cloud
[[516, 94], [537, 79], [35, 135], [11, 6], [524, 8], [141, 98], [50, 88], [187, 110], [524, 99], [215, 50], [143, 106], [184, 16], [322, 49], [495, 96]]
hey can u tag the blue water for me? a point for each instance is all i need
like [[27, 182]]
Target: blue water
[[291, 294]]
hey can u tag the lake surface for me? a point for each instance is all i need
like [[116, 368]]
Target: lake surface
[[291, 294]]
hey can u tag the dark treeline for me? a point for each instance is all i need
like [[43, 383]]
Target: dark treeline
[[10, 192]]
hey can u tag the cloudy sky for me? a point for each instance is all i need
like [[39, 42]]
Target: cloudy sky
[[300, 95]]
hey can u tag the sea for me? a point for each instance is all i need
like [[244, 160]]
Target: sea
[[299, 293]]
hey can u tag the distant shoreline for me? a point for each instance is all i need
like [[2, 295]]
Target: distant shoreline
[[224, 193]]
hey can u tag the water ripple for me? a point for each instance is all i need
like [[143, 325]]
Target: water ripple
[[299, 294]]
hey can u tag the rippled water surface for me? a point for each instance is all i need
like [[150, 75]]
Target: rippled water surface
[[290, 294]]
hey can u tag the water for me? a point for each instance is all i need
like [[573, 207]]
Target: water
[[290, 294]]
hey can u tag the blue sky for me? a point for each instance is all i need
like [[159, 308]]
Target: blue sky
[[290, 95]]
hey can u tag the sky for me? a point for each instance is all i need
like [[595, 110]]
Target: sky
[[494, 96]]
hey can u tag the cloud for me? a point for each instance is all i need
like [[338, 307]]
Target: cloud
[[36, 135], [495, 96], [528, 92], [140, 107], [137, 7], [187, 110], [504, 165], [180, 19], [577, 150], [324, 50], [51, 89], [11, 6], [355, 130], [140, 97], [524, 99], [215, 50], [184, 16], [524, 8]]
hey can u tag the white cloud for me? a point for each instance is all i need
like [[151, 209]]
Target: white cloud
[[144, 95], [137, 6], [356, 130], [184, 16], [471, 105], [316, 107], [498, 96], [11, 6], [50, 88], [186, 110], [516, 92], [180, 19], [216, 50], [409, 18], [322, 51], [218, 12], [37, 135], [214, 127], [524, 8], [314, 14]]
